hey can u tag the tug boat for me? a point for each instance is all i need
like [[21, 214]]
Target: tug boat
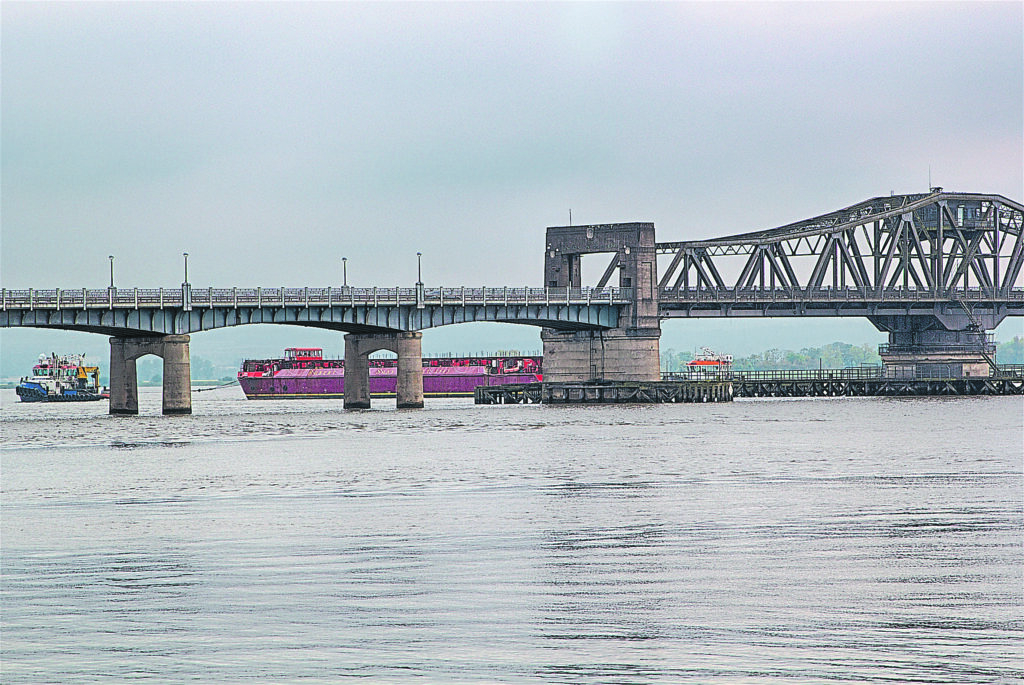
[[303, 373], [709, 364], [62, 378]]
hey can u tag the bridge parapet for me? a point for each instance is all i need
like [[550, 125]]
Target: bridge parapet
[[135, 298]]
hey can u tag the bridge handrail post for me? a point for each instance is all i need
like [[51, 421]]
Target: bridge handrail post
[[463, 296], [259, 298], [234, 297], [526, 290], [58, 299], [5, 298], [136, 293], [506, 295]]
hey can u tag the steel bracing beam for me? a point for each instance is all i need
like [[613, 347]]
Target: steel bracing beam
[[939, 247]]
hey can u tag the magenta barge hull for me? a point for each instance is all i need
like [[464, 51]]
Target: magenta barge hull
[[303, 373]]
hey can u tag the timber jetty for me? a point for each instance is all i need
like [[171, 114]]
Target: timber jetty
[[607, 392], [678, 388], [875, 382]]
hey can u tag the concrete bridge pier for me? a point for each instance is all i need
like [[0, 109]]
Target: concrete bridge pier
[[613, 355], [124, 384], [948, 342], [409, 348], [629, 352]]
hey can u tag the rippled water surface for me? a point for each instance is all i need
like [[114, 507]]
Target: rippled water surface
[[779, 541]]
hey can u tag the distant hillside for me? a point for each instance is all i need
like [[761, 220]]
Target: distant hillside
[[1011, 351], [835, 355]]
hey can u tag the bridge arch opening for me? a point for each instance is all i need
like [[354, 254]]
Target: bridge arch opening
[[124, 383]]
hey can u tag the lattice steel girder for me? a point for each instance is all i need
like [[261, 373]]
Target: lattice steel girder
[[938, 243]]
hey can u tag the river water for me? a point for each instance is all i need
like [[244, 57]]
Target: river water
[[850, 540]]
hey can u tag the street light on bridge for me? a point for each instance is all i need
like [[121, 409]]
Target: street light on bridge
[[419, 268], [111, 258], [344, 271], [185, 254]]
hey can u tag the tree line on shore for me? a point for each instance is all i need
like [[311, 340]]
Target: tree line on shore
[[835, 355]]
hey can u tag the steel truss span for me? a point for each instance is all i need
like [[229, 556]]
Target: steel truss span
[[887, 255]]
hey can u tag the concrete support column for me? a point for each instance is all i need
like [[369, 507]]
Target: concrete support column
[[613, 355], [124, 385], [177, 395], [357, 372], [409, 384], [409, 390], [946, 343]]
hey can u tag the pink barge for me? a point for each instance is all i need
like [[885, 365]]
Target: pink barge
[[303, 373]]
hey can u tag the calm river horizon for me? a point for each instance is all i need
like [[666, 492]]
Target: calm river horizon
[[841, 540]]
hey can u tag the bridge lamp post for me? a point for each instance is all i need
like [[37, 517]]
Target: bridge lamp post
[[111, 258], [186, 289], [344, 272], [419, 281]]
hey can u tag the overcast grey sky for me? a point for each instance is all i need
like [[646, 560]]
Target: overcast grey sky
[[269, 140]]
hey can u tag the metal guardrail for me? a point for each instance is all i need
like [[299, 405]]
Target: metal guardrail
[[134, 298], [847, 374], [988, 348], [852, 373], [1011, 371], [729, 295]]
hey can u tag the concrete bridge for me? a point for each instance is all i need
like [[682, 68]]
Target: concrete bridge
[[937, 271], [159, 322]]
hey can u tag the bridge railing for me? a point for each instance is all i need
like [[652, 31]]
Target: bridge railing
[[851, 294], [128, 298], [988, 348], [848, 373], [1011, 370], [853, 373]]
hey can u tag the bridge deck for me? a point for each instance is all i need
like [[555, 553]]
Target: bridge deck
[[145, 312]]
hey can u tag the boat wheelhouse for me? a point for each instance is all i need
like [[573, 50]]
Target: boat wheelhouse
[[709, 364]]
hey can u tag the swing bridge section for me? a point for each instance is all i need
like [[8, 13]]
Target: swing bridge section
[[936, 271]]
